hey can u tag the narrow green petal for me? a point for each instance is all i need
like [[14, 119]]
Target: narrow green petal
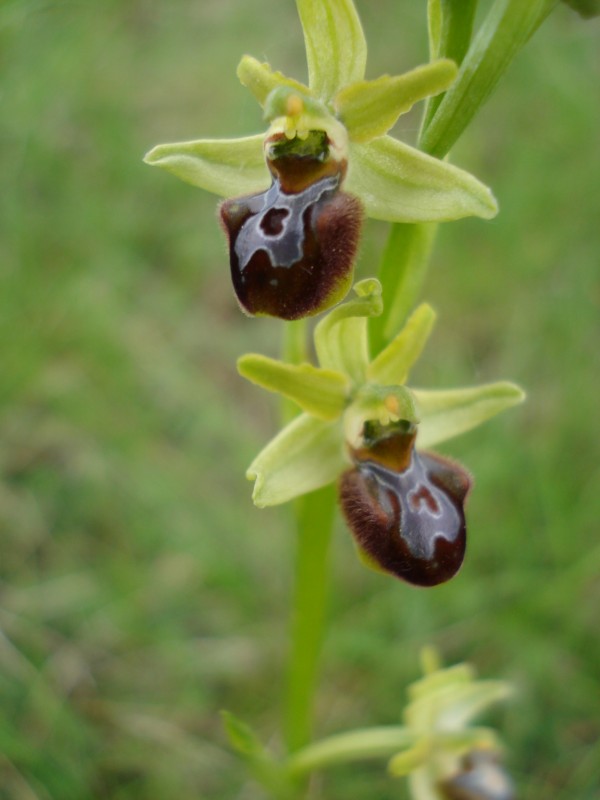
[[320, 392], [392, 365], [226, 167], [369, 108], [341, 337], [448, 413], [306, 455], [261, 79], [336, 50], [400, 184]]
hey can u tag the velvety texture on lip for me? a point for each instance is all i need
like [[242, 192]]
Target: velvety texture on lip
[[406, 509], [292, 247]]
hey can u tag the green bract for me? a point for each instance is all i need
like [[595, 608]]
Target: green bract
[[348, 389], [394, 181]]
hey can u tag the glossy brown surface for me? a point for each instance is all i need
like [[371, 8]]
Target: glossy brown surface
[[406, 509], [292, 248]]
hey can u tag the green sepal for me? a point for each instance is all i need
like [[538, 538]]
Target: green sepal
[[370, 108], [320, 392], [306, 455], [341, 337], [336, 50], [400, 184], [450, 412], [394, 362], [227, 167], [343, 748], [260, 79], [470, 701]]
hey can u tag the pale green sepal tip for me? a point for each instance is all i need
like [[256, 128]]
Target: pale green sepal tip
[[448, 413], [401, 184], [226, 167], [261, 79], [394, 362], [336, 50], [306, 455], [341, 337], [320, 392], [369, 109]]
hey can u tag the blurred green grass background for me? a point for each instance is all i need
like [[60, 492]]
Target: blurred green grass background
[[140, 590]]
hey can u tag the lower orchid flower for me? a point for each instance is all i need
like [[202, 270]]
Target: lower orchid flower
[[365, 428]]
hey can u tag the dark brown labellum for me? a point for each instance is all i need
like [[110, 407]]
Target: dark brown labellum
[[292, 248], [406, 509], [481, 778]]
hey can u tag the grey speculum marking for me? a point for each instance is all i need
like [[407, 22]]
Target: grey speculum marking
[[427, 512], [278, 226]]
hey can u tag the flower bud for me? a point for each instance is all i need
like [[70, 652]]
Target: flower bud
[[292, 247], [404, 508]]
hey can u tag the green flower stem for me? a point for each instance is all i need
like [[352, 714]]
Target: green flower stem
[[294, 352], [315, 514], [367, 743], [402, 272], [508, 26]]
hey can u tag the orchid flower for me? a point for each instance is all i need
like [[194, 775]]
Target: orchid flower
[[296, 193], [362, 425]]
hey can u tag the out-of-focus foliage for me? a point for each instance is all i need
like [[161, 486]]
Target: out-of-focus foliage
[[141, 591]]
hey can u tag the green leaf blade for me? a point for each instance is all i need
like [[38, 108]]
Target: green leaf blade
[[508, 26]]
